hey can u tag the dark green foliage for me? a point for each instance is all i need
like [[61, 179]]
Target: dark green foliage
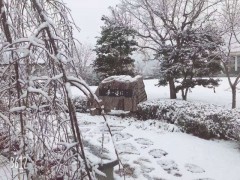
[[114, 48], [192, 57], [81, 104]]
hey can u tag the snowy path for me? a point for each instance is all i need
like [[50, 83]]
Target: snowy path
[[152, 151]]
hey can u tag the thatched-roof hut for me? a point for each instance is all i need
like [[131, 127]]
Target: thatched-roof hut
[[121, 93]]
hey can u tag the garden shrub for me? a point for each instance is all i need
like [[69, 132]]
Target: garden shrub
[[81, 104], [203, 120]]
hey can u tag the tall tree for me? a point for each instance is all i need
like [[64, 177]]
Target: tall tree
[[114, 49], [229, 24], [197, 61]]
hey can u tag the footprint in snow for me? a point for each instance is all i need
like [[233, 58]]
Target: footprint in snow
[[144, 141], [145, 165], [170, 166], [113, 128], [105, 140], [144, 147], [83, 130], [152, 178], [116, 128], [157, 153], [194, 168], [121, 136], [127, 148]]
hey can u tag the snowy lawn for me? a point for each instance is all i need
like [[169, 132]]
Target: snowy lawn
[[223, 95], [155, 150]]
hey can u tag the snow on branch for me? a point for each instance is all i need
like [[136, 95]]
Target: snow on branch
[[39, 91]]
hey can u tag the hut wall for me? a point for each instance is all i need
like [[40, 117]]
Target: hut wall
[[128, 93]]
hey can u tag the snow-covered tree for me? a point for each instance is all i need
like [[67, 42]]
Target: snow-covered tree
[[84, 56], [195, 62], [163, 25], [114, 49], [229, 25], [37, 115]]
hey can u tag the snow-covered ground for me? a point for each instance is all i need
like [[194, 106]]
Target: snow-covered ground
[[155, 150], [158, 151], [223, 95]]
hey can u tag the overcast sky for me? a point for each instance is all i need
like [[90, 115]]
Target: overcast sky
[[87, 15]]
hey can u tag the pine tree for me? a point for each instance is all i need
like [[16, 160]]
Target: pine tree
[[114, 48]]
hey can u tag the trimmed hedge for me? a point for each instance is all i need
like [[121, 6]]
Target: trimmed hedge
[[203, 120]]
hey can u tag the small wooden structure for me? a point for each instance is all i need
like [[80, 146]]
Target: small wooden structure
[[120, 93]]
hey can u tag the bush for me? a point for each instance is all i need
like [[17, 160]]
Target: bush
[[202, 120], [81, 104]]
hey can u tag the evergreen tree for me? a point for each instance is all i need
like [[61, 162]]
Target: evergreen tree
[[114, 48], [194, 62]]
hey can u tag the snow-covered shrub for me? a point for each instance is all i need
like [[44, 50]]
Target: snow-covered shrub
[[81, 104], [202, 120]]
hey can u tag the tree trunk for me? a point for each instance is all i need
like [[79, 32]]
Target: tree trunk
[[173, 94], [234, 95], [184, 94]]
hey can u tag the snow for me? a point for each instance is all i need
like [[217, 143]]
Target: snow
[[67, 145], [68, 88], [34, 90], [222, 96], [5, 118], [15, 109], [154, 151], [121, 78]]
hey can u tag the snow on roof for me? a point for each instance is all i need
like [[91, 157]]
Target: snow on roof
[[121, 78]]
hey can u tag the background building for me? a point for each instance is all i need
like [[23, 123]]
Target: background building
[[234, 63]]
